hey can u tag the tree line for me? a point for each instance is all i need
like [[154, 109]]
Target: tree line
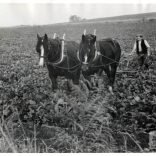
[[75, 18]]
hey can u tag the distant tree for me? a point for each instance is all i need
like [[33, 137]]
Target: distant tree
[[74, 18], [152, 20], [83, 19]]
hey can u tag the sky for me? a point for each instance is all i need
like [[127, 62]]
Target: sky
[[13, 14]]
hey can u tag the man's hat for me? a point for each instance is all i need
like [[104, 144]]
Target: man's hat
[[139, 35]]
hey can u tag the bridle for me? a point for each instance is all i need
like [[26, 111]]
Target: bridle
[[95, 56], [80, 51]]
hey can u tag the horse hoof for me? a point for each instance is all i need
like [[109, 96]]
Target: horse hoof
[[111, 90]]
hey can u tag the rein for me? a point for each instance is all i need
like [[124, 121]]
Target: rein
[[98, 53], [78, 52], [49, 63], [113, 61]]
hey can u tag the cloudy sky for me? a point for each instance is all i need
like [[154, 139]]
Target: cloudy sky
[[47, 13]]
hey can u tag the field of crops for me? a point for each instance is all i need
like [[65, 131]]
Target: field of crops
[[35, 119]]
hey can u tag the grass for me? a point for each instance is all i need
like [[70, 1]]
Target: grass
[[35, 119]]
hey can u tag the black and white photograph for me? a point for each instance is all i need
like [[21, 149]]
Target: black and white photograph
[[77, 76]]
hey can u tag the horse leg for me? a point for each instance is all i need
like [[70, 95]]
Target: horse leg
[[82, 91], [87, 80], [74, 84], [113, 68], [53, 81], [100, 72], [69, 85], [73, 81], [108, 70]]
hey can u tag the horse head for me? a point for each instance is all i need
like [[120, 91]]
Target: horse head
[[87, 49], [51, 50], [41, 46]]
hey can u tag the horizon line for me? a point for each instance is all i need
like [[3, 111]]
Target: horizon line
[[66, 22]]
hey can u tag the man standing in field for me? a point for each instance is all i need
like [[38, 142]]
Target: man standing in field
[[142, 48]]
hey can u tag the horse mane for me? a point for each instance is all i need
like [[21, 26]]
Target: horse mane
[[90, 36], [53, 52], [69, 46], [54, 41], [109, 40]]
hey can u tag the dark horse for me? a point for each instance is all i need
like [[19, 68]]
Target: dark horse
[[60, 58], [98, 56]]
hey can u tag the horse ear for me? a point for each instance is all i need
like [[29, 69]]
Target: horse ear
[[83, 37], [46, 37], [38, 36]]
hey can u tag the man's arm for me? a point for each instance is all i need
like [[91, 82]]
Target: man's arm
[[148, 47]]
